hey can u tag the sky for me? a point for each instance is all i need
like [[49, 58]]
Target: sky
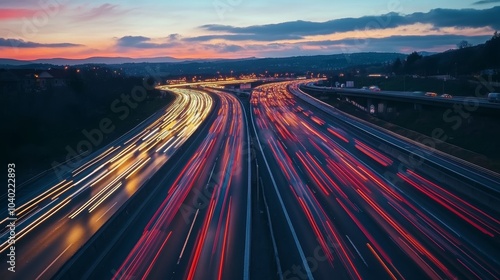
[[32, 29]]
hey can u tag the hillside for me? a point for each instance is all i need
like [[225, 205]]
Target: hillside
[[467, 60]]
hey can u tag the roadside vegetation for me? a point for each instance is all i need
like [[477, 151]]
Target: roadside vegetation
[[40, 124]]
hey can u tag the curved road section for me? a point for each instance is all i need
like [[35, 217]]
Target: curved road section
[[351, 202], [53, 224], [200, 231]]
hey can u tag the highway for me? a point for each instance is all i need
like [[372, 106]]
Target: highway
[[195, 221], [406, 96], [173, 198], [348, 200], [55, 222]]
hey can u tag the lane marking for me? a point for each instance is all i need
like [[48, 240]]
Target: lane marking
[[47, 268]]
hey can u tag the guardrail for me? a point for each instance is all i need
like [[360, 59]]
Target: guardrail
[[403, 96], [488, 194]]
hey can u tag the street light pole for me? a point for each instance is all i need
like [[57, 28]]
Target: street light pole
[[444, 80], [404, 82]]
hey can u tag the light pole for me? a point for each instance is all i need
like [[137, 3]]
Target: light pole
[[444, 80], [404, 82]]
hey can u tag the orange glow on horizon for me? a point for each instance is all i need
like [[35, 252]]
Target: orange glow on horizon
[[213, 49], [82, 53]]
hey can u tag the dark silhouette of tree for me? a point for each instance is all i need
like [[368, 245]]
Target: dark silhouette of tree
[[411, 59], [464, 44], [491, 52], [397, 66], [495, 35], [465, 60]]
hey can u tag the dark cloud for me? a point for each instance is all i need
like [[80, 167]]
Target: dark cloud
[[128, 41], [271, 46], [417, 42], [438, 18], [400, 44], [482, 2], [141, 42], [174, 36], [244, 37], [224, 48], [16, 43], [459, 18]]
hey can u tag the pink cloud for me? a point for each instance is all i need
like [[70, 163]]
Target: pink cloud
[[7, 14]]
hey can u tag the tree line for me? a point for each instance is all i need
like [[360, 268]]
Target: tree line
[[466, 60]]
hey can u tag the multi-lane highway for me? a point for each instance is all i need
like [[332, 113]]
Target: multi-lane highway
[[53, 224], [172, 199], [348, 201], [200, 230], [194, 223]]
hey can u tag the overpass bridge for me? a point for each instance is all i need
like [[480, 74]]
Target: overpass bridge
[[384, 102]]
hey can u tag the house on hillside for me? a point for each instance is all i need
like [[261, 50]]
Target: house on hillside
[[46, 80]]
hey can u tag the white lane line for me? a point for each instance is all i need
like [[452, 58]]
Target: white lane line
[[246, 268], [47, 268], [106, 211], [355, 248], [289, 222], [189, 234]]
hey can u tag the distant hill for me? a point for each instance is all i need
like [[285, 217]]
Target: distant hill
[[13, 62], [171, 67], [297, 65], [424, 53], [350, 58]]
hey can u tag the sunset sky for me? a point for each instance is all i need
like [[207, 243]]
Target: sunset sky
[[31, 29]]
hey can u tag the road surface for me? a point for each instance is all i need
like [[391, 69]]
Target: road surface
[[54, 223], [349, 202]]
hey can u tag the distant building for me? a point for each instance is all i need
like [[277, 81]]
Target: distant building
[[47, 80], [18, 81]]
